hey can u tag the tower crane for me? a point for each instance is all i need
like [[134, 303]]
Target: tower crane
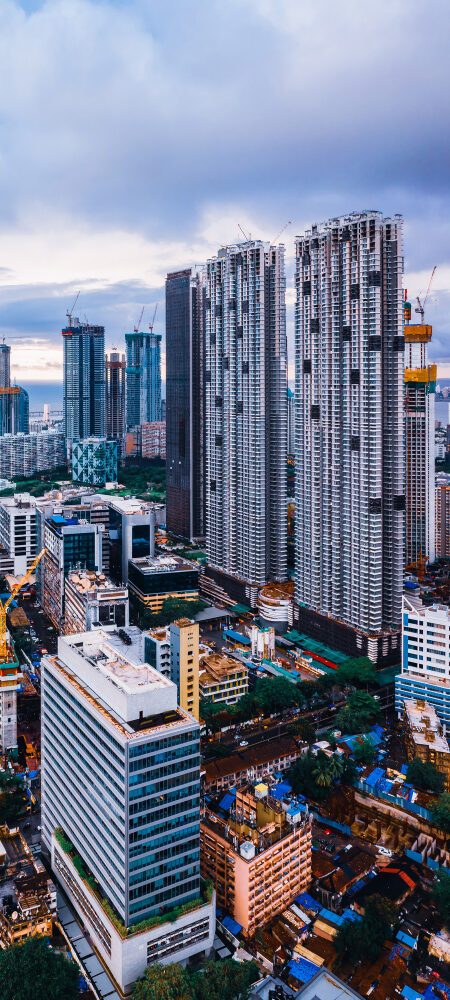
[[70, 313], [277, 237], [420, 308], [151, 325], [136, 328], [244, 234], [5, 649]]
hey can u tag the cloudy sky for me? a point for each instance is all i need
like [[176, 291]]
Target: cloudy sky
[[136, 134]]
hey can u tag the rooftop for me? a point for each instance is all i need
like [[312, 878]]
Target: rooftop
[[162, 564], [424, 725], [217, 666], [115, 666], [131, 505], [254, 756], [86, 581]]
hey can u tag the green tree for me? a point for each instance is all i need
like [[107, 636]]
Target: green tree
[[441, 895], [227, 980], [358, 671], [322, 773], [440, 812], [423, 774], [165, 982], [34, 971], [359, 714], [364, 752], [305, 731], [275, 694], [13, 798], [364, 939], [210, 713]]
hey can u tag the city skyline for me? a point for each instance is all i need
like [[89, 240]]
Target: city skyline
[[73, 223]]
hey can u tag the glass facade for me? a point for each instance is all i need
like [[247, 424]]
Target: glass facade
[[185, 424], [84, 382], [143, 382], [140, 545], [162, 583], [79, 551]]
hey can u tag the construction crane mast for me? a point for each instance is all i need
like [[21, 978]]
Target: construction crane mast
[[420, 308], [5, 649], [151, 325], [136, 328], [70, 313]]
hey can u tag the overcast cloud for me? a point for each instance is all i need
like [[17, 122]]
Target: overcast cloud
[[135, 136]]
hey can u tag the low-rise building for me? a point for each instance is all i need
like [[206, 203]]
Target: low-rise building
[[153, 438], [425, 672], [157, 649], [91, 599], [18, 530], [27, 894], [94, 461], [424, 738], [222, 678], [257, 855], [260, 761], [152, 579], [69, 543]]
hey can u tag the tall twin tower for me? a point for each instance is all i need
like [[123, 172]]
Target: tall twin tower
[[227, 424]]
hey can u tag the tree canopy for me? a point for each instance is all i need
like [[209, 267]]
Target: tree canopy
[[13, 798], [226, 980], [359, 714], [423, 774], [358, 670], [315, 775], [440, 812], [364, 752], [364, 939], [172, 608], [441, 895], [34, 970]]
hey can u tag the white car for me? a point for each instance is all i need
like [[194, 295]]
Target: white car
[[385, 851], [243, 743]]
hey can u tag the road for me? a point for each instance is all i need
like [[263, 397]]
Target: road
[[47, 635]]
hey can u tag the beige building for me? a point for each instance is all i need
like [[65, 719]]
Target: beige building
[[91, 599], [424, 737], [154, 439], [442, 520], [184, 663], [222, 679], [259, 856]]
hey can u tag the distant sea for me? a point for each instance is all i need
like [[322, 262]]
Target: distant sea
[[44, 392]]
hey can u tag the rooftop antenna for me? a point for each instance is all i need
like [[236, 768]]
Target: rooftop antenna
[[70, 313]]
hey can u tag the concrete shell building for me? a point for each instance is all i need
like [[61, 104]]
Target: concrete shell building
[[350, 489], [442, 520], [420, 389], [246, 417]]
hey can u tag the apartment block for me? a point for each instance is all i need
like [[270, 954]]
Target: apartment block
[[24, 454], [121, 806], [11, 678], [442, 520], [115, 398], [184, 656], [258, 855], [425, 673], [420, 390], [185, 396], [246, 417], [153, 439], [18, 530], [424, 737], [222, 678], [153, 579], [349, 420], [70, 544], [157, 649], [92, 600]]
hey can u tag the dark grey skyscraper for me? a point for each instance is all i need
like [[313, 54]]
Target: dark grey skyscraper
[[185, 402], [115, 396], [84, 381], [5, 373]]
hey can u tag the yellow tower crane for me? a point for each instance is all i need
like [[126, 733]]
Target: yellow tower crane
[[6, 652]]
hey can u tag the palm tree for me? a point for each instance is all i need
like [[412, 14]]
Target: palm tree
[[322, 774]]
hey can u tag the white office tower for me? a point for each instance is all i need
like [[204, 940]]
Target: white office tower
[[350, 490], [420, 390], [121, 806], [425, 673], [246, 417]]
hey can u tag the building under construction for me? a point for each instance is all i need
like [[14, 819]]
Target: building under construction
[[420, 389]]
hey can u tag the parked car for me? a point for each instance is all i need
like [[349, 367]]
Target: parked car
[[243, 743]]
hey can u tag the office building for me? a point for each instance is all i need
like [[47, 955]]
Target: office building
[[131, 533], [18, 530], [153, 440], [349, 461], [94, 461], [115, 407], [246, 418], [425, 672], [442, 519], [157, 649], [14, 410], [185, 403], [121, 806], [84, 381], [70, 544], [184, 649], [92, 600], [5, 366], [424, 737], [420, 390], [291, 423], [222, 678], [258, 854], [74, 501], [154, 579], [24, 454], [143, 378]]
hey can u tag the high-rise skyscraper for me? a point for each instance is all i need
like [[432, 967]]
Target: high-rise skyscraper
[[350, 490], [185, 401], [5, 371], [143, 378], [14, 410], [84, 381], [420, 389], [115, 397], [246, 417]]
